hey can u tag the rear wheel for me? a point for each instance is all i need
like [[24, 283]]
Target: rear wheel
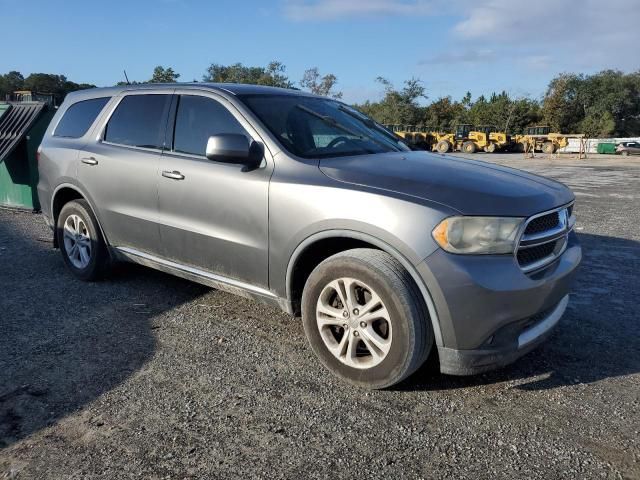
[[469, 147], [625, 153], [548, 147], [365, 319], [491, 148], [443, 146], [81, 244]]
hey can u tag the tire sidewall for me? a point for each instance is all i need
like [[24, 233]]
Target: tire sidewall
[[75, 208], [403, 337]]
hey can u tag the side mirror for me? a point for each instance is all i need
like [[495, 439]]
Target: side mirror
[[234, 148]]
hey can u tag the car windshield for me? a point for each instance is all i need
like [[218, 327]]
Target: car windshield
[[312, 127]]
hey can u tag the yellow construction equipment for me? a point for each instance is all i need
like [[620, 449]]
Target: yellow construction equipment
[[497, 140], [542, 139], [419, 138], [465, 139]]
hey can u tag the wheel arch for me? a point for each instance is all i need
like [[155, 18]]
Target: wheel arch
[[64, 194], [298, 273]]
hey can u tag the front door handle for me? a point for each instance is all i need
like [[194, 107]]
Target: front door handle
[[175, 175], [90, 161]]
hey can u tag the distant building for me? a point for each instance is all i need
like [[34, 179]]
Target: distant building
[[30, 96]]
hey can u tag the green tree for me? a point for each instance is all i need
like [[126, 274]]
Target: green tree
[[10, 82], [320, 85], [58, 85], [272, 75], [397, 106], [503, 112], [603, 104], [443, 114], [561, 106], [164, 75]]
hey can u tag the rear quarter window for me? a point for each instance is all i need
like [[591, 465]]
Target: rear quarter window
[[79, 117], [139, 121]]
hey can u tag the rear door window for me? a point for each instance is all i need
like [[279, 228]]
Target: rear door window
[[139, 121], [197, 119], [79, 117]]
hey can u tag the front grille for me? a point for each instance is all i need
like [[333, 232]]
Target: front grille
[[528, 256], [542, 224], [543, 240]]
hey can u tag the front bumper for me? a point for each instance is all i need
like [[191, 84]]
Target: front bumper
[[470, 362], [489, 311]]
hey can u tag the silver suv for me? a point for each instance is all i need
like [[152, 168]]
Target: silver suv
[[304, 203]]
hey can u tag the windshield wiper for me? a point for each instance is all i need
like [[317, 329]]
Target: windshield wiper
[[329, 120], [333, 122], [367, 122]]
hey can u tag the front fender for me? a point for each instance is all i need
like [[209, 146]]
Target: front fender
[[408, 260]]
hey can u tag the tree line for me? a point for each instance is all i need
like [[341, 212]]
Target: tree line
[[599, 105], [57, 85]]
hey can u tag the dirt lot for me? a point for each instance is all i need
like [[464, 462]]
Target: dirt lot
[[148, 376]]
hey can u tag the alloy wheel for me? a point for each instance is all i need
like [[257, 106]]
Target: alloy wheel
[[354, 323], [77, 241]]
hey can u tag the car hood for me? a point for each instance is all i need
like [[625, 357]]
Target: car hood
[[469, 186]]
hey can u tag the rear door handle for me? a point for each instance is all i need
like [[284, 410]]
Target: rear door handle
[[90, 161], [175, 175]]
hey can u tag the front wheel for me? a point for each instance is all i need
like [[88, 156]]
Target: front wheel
[[443, 146], [469, 147], [548, 148], [81, 244], [365, 318]]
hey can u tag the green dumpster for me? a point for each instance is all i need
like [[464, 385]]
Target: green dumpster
[[22, 126], [607, 147]]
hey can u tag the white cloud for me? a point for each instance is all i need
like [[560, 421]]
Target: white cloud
[[543, 35], [469, 56], [305, 10], [537, 62], [546, 32]]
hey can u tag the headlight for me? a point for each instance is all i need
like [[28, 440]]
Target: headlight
[[478, 235]]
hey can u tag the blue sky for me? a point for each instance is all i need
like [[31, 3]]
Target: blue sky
[[452, 46]]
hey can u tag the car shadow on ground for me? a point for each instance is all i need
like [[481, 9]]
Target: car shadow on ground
[[60, 335], [64, 342], [596, 339]]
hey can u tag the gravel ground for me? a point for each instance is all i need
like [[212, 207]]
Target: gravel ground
[[148, 376]]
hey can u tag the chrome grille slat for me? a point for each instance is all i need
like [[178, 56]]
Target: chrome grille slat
[[543, 223], [544, 238]]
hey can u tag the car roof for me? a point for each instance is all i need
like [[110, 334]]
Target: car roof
[[229, 88]]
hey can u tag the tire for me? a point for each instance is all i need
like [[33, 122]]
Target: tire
[[403, 316], [625, 153], [443, 146], [491, 148], [88, 239], [469, 147], [521, 147], [548, 147]]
